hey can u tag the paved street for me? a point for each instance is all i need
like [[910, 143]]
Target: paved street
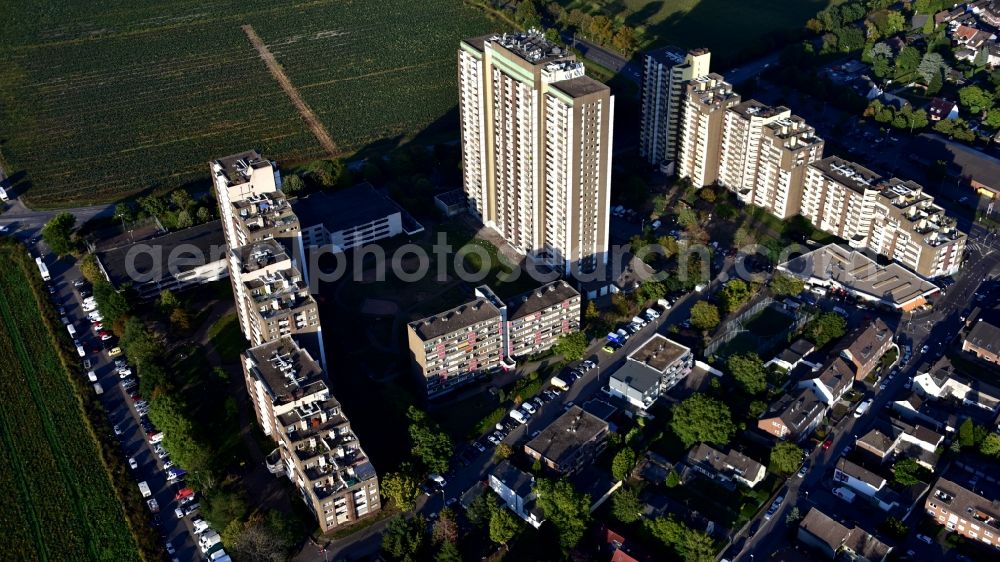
[[116, 402]]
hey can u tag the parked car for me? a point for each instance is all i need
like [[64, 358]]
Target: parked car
[[925, 539], [114, 351], [775, 506], [132, 463], [529, 407], [802, 471]]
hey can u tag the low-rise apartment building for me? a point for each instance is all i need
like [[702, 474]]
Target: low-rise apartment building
[[830, 383], [973, 514], [861, 480], [538, 318], [725, 468], [793, 416], [574, 439], [517, 489], [170, 262], [867, 347], [983, 340], [347, 218], [457, 346], [651, 370], [832, 539], [316, 448]]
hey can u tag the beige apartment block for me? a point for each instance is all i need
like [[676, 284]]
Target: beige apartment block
[[787, 147], [240, 177], [316, 448], [665, 75], [742, 132], [704, 107], [456, 346], [839, 196], [262, 216], [272, 298], [909, 228], [536, 147], [537, 319]]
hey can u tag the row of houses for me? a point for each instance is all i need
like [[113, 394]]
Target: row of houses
[[796, 414]]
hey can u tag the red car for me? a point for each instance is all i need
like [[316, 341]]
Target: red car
[[184, 493], [828, 442]]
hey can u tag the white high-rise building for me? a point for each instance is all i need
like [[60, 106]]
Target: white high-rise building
[[665, 74], [536, 147]]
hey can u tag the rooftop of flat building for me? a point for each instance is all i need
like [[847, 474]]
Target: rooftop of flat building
[[265, 210], [849, 174], [752, 108], [530, 45], [668, 56], [561, 439], [462, 316], [259, 255], [278, 292], [658, 353], [155, 257], [539, 299], [638, 376], [514, 478], [287, 371], [851, 269], [580, 87], [345, 208], [236, 167]]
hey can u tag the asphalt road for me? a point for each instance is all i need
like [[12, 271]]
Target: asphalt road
[[117, 403]]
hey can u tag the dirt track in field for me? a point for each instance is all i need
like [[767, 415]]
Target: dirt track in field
[[313, 122]]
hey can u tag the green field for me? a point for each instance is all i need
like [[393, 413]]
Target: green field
[[104, 100], [724, 26], [56, 497]]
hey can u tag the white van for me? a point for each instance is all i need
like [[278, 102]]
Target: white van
[[91, 376], [71, 329]]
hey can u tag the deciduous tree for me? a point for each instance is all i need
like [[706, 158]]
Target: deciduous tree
[[623, 463], [58, 233], [704, 315], [401, 489], [503, 526], [748, 371], [403, 538], [625, 505], [701, 418], [571, 346], [567, 509], [785, 458]]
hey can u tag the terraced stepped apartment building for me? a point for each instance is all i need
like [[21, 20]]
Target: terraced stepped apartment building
[[665, 73], [285, 368], [316, 448], [892, 217], [536, 147]]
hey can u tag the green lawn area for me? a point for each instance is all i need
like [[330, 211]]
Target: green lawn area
[[227, 338], [57, 500], [724, 26]]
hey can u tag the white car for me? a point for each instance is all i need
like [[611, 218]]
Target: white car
[[124, 372], [132, 463], [91, 376], [179, 513], [528, 407]]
